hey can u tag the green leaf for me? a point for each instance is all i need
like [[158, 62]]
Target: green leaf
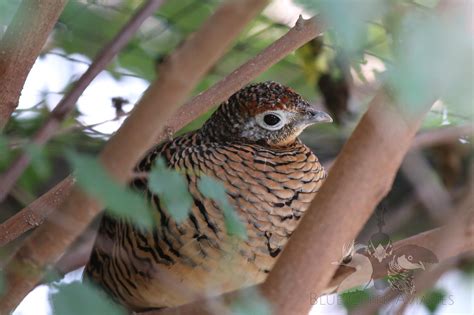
[[353, 299], [118, 199], [8, 10], [172, 188], [433, 299], [39, 160], [249, 302], [427, 68], [2, 283], [348, 19], [213, 189], [78, 298], [5, 153]]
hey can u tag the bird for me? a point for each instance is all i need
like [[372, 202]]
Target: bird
[[250, 144]]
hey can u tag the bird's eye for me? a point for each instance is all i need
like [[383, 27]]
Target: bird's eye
[[274, 120], [410, 257], [271, 119]]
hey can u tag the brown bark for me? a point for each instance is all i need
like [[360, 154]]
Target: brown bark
[[68, 103], [35, 213], [20, 46], [181, 72], [442, 136]]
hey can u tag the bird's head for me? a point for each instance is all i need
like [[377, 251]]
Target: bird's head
[[414, 257], [266, 113]]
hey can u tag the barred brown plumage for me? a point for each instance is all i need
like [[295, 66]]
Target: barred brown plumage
[[250, 144]]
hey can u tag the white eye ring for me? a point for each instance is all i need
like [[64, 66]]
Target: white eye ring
[[261, 120]]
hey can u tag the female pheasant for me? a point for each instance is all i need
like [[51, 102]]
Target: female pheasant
[[250, 144]]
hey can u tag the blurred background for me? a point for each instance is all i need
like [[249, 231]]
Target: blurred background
[[420, 47]]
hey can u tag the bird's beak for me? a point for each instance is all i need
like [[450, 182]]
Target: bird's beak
[[313, 116], [422, 266]]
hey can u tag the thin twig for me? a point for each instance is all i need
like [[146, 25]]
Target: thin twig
[[71, 59], [442, 136], [67, 104], [427, 186], [182, 70]]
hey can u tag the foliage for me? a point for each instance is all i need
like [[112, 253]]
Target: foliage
[[214, 189], [7, 11], [433, 299], [250, 301], [2, 283], [415, 43], [77, 298], [355, 298], [119, 200], [172, 188], [40, 161], [5, 156]]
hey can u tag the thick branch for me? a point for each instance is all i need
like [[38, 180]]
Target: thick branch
[[20, 46], [67, 104], [181, 72]]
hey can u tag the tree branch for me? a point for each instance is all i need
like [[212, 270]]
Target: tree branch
[[181, 72], [442, 136], [427, 186], [67, 104], [35, 213], [20, 46]]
